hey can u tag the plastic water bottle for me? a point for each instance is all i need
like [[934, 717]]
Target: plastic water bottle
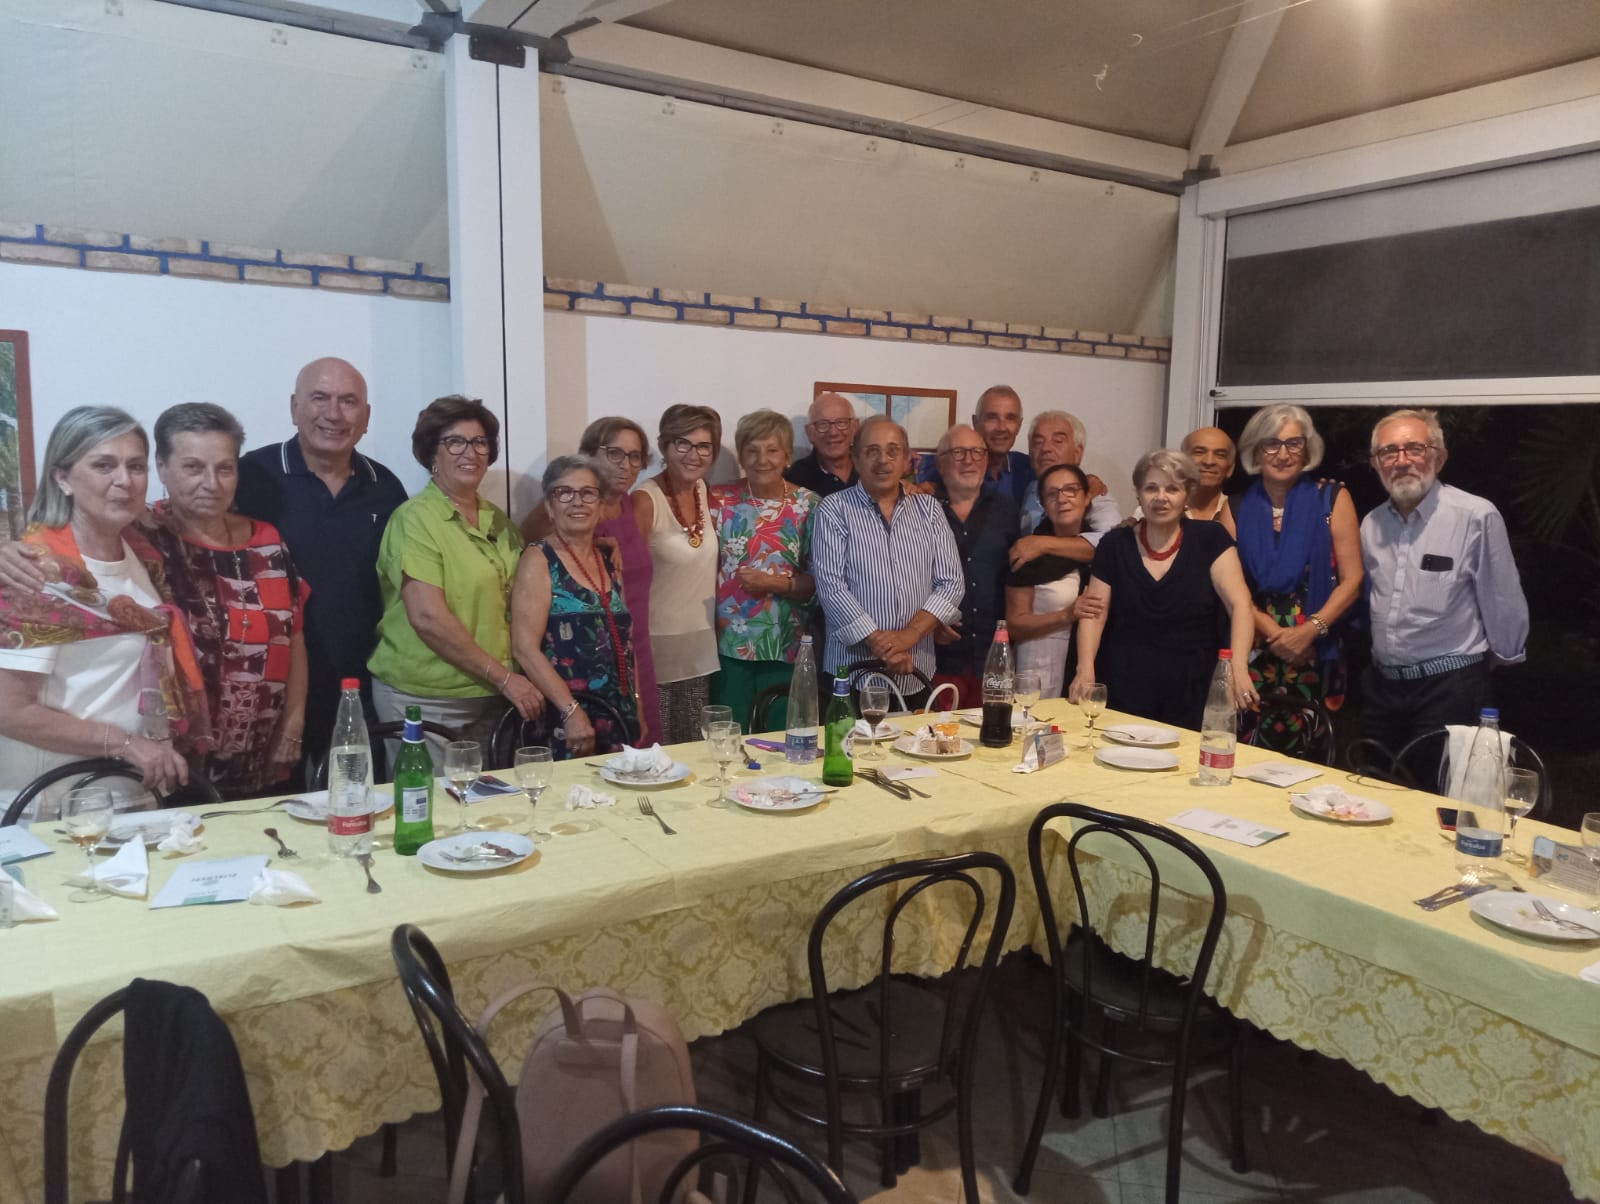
[[800, 740], [1480, 819], [1219, 725], [350, 777], [999, 689]]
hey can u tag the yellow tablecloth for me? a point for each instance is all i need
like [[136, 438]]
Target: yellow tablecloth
[[1323, 947]]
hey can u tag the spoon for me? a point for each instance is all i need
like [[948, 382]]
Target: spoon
[[366, 863], [284, 851]]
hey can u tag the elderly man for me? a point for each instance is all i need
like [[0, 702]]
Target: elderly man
[[985, 527], [1213, 454], [832, 427], [1446, 599], [998, 420], [885, 563], [331, 505], [1057, 437]]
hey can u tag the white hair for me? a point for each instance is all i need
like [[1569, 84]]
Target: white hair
[[1079, 435], [1429, 418], [1265, 424]]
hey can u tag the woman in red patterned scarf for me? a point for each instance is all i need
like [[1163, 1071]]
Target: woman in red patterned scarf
[[74, 660]]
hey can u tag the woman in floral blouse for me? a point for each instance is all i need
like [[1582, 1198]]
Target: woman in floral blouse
[[764, 585]]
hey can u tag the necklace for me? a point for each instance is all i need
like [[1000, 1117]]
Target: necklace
[[605, 604], [1168, 554], [696, 531]]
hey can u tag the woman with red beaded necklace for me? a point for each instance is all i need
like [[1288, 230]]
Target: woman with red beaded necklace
[[674, 516], [1166, 584], [571, 629]]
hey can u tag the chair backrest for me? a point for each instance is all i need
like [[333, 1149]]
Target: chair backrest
[[1133, 833], [861, 669], [734, 1142], [1295, 725], [379, 734], [93, 770], [513, 731], [760, 709], [453, 1046], [1424, 764]]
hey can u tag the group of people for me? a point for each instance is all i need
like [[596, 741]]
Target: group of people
[[210, 633]]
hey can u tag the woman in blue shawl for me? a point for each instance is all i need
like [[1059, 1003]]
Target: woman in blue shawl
[[1300, 544]]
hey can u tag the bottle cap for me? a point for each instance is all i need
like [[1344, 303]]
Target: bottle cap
[[1225, 654], [1490, 713], [414, 713], [805, 639], [350, 683]]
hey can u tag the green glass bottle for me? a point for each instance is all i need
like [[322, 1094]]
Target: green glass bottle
[[413, 789], [837, 768]]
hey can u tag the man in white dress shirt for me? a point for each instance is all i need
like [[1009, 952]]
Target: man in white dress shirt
[[1446, 598], [1057, 437]]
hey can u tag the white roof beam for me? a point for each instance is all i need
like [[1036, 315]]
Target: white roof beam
[[1236, 74]]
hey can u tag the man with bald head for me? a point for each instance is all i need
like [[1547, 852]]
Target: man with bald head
[[827, 468], [331, 504], [885, 563]]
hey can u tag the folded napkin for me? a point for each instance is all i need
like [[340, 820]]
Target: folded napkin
[[19, 904], [641, 762], [580, 796], [864, 730], [1458, 748], [181, 837], [1588, 973], [279, 888], [128, 873]]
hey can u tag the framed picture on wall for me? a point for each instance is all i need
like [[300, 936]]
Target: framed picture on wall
[[16, 433], [925, 413]]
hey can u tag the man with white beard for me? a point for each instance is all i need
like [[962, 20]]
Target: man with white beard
[[1447, 602]]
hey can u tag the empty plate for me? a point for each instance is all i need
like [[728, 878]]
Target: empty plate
[[1514, 910], [1123, 757]]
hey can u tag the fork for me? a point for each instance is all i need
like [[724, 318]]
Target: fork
[[284, 851], [366, 863], [250, 811], [646, 809], [1561, 921]]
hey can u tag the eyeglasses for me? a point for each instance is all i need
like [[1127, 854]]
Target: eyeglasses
[[685, 448], [621, 455], [565, 495], [1067, 492], [832, 426], [1294, 446], [456, 444], [966, 455], [1390, 453]]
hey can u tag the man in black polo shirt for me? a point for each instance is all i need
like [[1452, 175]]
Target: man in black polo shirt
[[827, 468], [330, 504]]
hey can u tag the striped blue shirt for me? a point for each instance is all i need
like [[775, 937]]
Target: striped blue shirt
[[874, 575]]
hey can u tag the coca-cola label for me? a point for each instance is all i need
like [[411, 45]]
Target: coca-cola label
[[1213, 759], [350, 825]]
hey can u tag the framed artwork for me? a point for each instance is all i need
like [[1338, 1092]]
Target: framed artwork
[[16, 432], [925, 413]]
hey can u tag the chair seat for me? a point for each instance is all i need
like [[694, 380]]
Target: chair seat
[[789, 1034], [1115, 979]]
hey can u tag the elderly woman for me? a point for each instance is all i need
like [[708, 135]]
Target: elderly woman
[[232, 578], [1045, 597], [75, 660], [673, 511], [764, 584], [573, 629], [1165, 583], [445, 567], [1300, 545]]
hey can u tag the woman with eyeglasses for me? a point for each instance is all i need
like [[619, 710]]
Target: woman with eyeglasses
[[673, 511], [1300, 545], [1045, 597], [570, 611], [445, 567]]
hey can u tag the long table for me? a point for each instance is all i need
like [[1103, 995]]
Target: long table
[[1322, 947]]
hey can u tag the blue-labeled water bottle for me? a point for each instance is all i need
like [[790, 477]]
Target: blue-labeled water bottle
[[800, 738], [1481, 815]]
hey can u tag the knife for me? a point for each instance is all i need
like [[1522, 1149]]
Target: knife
[[899, 790]]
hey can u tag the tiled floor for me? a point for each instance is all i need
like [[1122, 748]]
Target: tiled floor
[[1316, 1130]]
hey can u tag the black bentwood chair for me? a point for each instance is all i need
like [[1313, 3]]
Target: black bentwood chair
[[513, 731], [1424, 764], [897, 1035], [862, 669], [761, 709], [737, 1149], [98, 769], [1123, 992]]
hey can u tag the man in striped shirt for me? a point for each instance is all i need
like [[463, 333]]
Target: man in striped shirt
[[885, 562]]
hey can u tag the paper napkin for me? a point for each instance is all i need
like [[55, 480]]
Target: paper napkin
[[18, 904], [581, 797], [640, 761], [228, 880], [128, 873], [181, 838], [280, 888], [1278, 773], [1590, 973]]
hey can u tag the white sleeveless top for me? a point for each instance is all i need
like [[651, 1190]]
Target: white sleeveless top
[[683, 591], [1046, 655]]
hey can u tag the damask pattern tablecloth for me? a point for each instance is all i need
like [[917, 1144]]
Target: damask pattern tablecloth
[[1322, 947]]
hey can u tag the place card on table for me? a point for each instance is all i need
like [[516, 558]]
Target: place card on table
[[1278, 773], [899, 773], [1214, 823], [228, 880], [19, 844], [1564, 865], [1041, 749]]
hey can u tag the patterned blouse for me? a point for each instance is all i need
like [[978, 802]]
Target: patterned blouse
[[773, 535]]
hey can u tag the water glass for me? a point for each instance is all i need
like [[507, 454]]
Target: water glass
[[1589, 833], [1522, 792], [534, 768], [463, 765], [1026, 690], [155, 723], [86, 816], [713, 714]]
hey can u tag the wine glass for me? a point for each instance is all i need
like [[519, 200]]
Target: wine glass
[[713, 714], [1094, 701], [723, 742], [1026, 690], [874, 706], [463, 765], [534, 768], [86, 816], [1522, 792], [155, 723]]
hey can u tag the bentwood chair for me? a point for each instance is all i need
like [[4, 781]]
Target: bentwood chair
[[1101, 996], [513, 731], [736, 1149], [95, 770], [862, 669], [1425, 762], [761, 717], [898, 1036]]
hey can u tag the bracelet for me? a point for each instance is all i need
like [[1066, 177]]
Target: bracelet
[[1322, 627], [504, 681], [567, 713]]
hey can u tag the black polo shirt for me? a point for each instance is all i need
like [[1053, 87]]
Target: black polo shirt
[[334, 542], [984, 542], [808, 473]]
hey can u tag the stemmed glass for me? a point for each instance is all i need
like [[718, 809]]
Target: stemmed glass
[[463, 765], [1094, 701], [534, 768], [1589, 833], [154, 721], [713, 714], [86, 815], [1522, 792], [874, 706], [1026, 689], [723, 742]]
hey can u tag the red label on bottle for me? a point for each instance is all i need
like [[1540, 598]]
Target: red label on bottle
[[1216, 760], [350, 825]]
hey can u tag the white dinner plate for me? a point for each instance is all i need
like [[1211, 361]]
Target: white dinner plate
[[884, 731], [974, 716], [1144, 735], [153, 826], [312, 807], [1361, 810], [780, 793], [677, 773], [1123, 757], [433, 853], [1514, 910], [908, 745]]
